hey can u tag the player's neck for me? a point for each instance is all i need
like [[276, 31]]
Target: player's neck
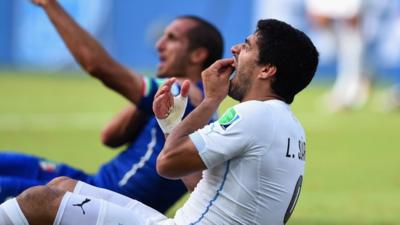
[[261, 93], [193, 74]]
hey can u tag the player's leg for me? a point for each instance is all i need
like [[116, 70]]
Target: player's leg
[[351, 86], [33, 167], [18, 165], [88, 210], [19, 172], [38, 205], [49, 205], [112, 198], [81, 188]]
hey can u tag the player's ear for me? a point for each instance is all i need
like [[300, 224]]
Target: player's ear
[[198, 55], [267, 71]]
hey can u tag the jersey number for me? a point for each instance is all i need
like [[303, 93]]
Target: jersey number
[[293, 201]]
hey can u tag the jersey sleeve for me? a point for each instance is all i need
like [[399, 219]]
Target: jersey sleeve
[[224, 139]]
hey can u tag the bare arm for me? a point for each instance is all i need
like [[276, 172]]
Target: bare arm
[[91, 55], [123, 127], [179, 156], [191, 180]]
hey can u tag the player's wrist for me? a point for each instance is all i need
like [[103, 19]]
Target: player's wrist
[[212, 101], [174, 116]]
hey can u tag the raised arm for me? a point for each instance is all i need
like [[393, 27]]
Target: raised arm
[[164, 101], [91, 55]]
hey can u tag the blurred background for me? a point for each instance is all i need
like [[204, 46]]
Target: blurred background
[[129, 30], [49, 107]]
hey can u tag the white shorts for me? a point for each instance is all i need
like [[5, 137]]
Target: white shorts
[[83, 209]]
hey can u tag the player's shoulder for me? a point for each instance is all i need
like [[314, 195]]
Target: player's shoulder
[[264, 113], [245, 114], [255, 107]]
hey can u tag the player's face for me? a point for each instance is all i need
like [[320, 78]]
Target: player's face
[[245, 55], [172, 49]]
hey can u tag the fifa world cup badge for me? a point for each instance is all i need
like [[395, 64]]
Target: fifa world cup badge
[[229, 117]]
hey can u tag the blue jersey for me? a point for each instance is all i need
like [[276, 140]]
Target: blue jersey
[[131, 173]]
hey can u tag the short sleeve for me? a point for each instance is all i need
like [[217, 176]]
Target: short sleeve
[[224, 139]]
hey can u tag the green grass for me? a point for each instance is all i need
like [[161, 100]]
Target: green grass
[[352, 170]]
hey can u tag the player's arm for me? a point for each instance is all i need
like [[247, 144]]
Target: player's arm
[[179, 157], [91, 55], [123, 127], [191, 180]]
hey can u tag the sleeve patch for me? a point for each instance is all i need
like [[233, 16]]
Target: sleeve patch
[[151, 84], [228, 118], [146, 87]]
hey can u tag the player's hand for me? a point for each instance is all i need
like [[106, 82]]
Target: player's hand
[[216, 79], [42, 2], [164, 101]]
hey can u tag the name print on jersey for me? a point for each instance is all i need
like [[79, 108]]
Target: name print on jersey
[[301, 153]]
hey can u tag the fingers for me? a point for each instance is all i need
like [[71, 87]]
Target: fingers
[[166, 87], [163, 100], [185, 88], [170, 82], [162, 105], [216, 79], [226, 67], [222, 63], [223, 67]]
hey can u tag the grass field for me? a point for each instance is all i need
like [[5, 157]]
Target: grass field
[[352, 171]]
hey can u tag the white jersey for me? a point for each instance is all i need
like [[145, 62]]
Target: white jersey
[[255, 160]]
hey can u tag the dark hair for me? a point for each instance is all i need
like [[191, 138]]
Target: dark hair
[[206, 35], [291, 52]]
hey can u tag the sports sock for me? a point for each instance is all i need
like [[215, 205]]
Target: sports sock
[[4, 220], [11, 214], [104, 194], [78, 209]]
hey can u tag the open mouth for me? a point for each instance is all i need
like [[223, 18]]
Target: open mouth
[[234, 64], [161, 60], [233, 75]]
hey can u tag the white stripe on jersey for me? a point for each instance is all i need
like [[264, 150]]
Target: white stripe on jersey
[[143, 160]]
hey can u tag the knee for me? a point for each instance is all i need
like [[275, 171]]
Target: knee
[[62, 183], [38, 195], [40, 203]]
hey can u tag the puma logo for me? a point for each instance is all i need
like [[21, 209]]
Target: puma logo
[[81, 205]]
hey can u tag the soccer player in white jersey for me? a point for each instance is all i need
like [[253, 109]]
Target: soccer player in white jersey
[[252, 158]]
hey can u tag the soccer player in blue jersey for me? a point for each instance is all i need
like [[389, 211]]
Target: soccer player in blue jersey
[[189, 45]]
